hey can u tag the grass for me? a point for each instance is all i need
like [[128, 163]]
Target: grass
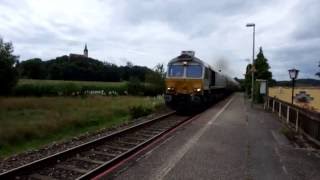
[[58, 82], [31, 87], [31, 122], [290, 134]]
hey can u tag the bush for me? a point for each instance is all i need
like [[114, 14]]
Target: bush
[[35, 90], [135, 87], [75, 88], [290, 134], [67, 88], [8, 71], [139, 111], [152, 90], [154, 83]]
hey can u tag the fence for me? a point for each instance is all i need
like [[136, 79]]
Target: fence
[[302, 120]]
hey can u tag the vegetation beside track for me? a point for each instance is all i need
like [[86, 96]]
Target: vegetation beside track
[[30, 87], [31, 122]]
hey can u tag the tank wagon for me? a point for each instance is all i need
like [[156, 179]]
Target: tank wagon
[[190, 82]]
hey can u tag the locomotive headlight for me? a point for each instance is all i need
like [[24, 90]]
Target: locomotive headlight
[[170, 88], [197, 89]]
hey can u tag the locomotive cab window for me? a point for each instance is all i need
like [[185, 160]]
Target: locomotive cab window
[[194, 71], [176, 70]]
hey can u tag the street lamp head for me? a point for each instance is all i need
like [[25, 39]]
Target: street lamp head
[[250, 25], [293, 73]]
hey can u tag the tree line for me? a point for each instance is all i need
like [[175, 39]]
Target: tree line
[[80, 68], [73, 67]]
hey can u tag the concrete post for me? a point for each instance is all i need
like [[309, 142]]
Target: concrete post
[[288, 113], [280, 110], [273, 105]]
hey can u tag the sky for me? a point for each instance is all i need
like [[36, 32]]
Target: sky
[[147, 32]]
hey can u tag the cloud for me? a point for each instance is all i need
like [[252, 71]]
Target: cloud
[[150, 31]]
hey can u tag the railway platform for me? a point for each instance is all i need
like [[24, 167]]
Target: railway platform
[[228, 141]]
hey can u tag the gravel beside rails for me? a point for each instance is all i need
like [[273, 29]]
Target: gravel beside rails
[[33, 155]]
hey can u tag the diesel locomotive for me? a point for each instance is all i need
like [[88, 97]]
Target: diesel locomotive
[[190, 82]]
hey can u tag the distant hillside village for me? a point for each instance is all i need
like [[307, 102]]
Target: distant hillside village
[[80, 67]]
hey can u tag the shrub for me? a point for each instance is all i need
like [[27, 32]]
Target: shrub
[[135, 87], [152, 90], [8, 70], [288, 133], [35, 90], [67, 88], [139, 111]]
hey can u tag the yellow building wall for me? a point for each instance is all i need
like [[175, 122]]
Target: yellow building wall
[[284, 94]]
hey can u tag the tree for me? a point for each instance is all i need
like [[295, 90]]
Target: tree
[[8, 71], [33, 69], [160, 70], [262, 67], [241, 83], [318, 73], [155, 80], [262, 71], [247, 80]]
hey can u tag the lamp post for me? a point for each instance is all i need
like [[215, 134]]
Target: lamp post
[[252, 71], [293, 73]]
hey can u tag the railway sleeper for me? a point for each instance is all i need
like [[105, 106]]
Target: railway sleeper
[[127, 143], [136, 139], [40, 177], [150, 132], [111, 155], [89, 160], [143, 135], [158, 129], [116, 148], [72, 168]]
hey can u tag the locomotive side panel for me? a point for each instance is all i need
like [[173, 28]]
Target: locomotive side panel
[[220, 81]]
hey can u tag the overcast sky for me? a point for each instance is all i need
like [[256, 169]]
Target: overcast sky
[[152, 31]]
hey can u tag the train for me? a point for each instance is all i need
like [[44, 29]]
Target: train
[[192, 83]]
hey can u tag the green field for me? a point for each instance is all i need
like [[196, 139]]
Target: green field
[[31, 122], [59, 82], [30, 87]]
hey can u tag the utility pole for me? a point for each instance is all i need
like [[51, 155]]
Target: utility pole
[[252, 67]]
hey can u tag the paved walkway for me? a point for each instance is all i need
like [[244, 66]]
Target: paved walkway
[[228, 141]]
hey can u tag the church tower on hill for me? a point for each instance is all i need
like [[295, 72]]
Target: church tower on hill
[[85, 51]]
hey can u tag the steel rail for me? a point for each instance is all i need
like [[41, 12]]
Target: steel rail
[[126, 154], [53, 159]]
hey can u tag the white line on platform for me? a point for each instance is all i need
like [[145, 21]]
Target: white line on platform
[[176, 157]]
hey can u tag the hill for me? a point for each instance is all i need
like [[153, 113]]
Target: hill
[[300, 82], [79, 68]]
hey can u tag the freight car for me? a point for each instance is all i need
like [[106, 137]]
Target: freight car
[[190, 82]]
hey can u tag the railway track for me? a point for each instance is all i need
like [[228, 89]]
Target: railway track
[[88, 160]]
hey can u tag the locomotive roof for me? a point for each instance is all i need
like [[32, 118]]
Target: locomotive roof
[[185, 57]]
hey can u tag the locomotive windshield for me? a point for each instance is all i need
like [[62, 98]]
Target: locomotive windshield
[[194, 71], [176, 70]]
